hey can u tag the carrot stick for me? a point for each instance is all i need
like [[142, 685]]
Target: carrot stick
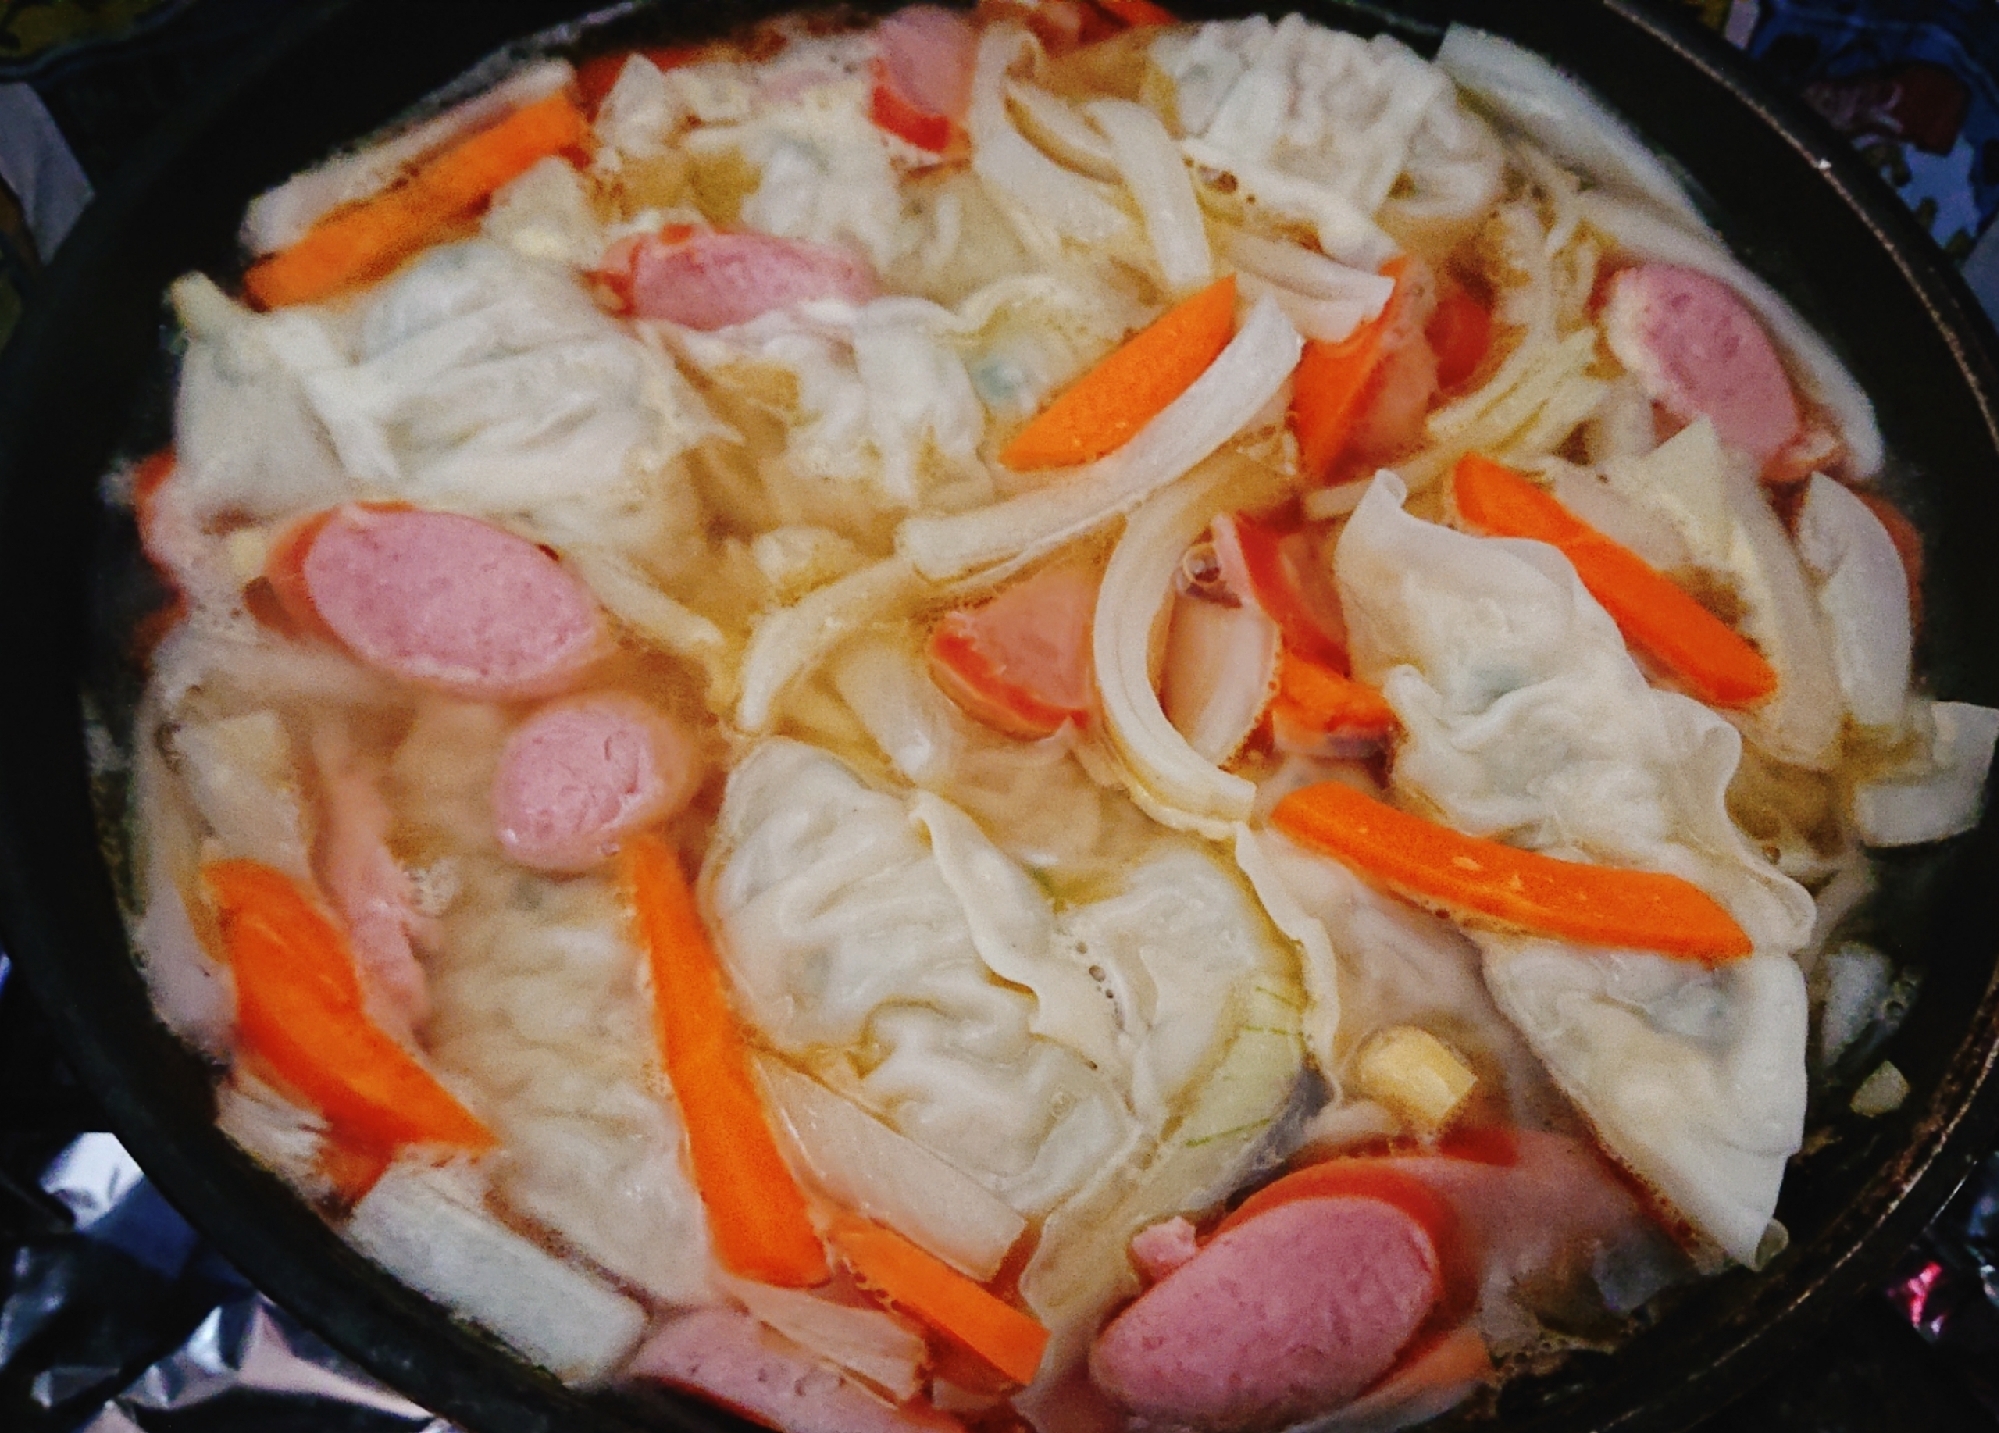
[[1104, 408], [903, 1275], [365, 241], [1139, 13], [1483, 883], [1331, 385], [1329, 701], [755, 1210], [299, 1010], [1711, 661]]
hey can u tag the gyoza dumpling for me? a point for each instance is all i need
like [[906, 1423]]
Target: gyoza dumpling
[[1527, 721]]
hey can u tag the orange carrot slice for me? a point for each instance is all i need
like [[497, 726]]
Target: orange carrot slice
[[903, 1275], [1330, 387], [1104, 408], [1483, 883], [1460, 332], [755, 1210], [365, 241], [1711, 661], [1329, 701], [299, 1011]]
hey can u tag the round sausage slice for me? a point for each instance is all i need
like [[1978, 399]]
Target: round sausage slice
[[580, 774], [1699, 351], [1293, 1312], [449, 601]]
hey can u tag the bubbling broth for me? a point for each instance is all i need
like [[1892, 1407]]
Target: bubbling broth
[[1023, 718]]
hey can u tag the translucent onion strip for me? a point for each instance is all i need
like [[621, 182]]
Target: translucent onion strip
[[1526, 93], [877, 1346], [1157, 181], [787, 643], [1219, 404], [1864, 592], [1167, 777], [1048, 120], [870, 1168], [1071, 205], [1647, 235], [1327, 300]]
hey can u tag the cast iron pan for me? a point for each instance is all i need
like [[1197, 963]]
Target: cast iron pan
[[83, 383]]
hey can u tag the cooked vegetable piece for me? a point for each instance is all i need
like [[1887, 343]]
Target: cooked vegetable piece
[[1107, 406], [1332, 384], [299, 1011], [755, 1210], [1414, 1074], [1021, 662], [1321, 699], [1657, 617], [598, 75], [1485, 883], [367, 240], [1460, 331], [915, 1282]]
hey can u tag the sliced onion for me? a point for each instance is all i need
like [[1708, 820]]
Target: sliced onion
[[1043, 190], [1864, 593], [790, 641], [1166, 776], [1049, 121], [280, 217], [875, 1345], [1313, 275], [1326, 320], [1219, 674], [1156, 178], [1648, 236], [868, 1167], [1318, 965], [1235, 388], [1525, 92], [1944, 799]]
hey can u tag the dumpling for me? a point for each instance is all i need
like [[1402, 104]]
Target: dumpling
[[1527, 721]]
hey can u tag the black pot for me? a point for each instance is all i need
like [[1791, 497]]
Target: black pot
[[82, 383]]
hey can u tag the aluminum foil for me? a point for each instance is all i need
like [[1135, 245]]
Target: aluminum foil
[[125, 1317]]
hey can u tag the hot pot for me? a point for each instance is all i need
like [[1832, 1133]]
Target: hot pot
[[83, 382]]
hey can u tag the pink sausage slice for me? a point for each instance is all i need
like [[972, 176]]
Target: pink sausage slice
[[451, 602], [727, 1356], [580, 774], [1294, 1312], [1699, 351], [711, 281], [923, 74]]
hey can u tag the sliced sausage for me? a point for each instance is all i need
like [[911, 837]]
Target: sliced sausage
[[1159, 1249], [730, 1358], [711, 281], [923, 74], [1699, 351], [445, 600], [1021, 662], [1293, 1312], [580, 774]]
